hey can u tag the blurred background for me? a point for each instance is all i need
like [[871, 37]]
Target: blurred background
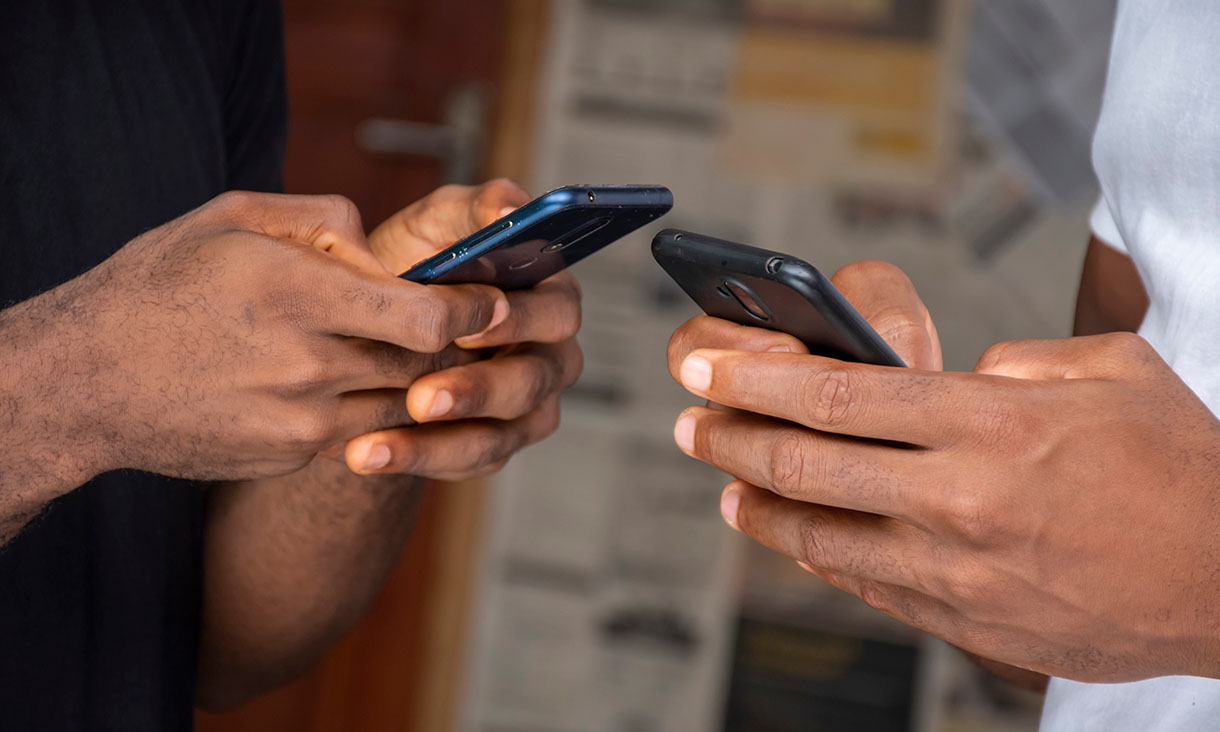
[[592, 586]]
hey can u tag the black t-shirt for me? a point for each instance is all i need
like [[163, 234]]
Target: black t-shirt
[[115, 117]]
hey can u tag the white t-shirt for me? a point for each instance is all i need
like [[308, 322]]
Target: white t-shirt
[[1157, 155]]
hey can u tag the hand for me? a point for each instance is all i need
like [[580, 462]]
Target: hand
[[1055, 510], [238, 340], [473, 417]]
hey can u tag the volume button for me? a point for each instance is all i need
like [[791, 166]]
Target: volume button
[[486, 234]]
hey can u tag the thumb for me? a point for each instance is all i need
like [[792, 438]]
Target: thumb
[[1106, 356], [885, 297], [330, 223], [441, 218]]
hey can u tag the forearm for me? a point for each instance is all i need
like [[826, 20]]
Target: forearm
[[290, 565], [1112, 296], [47, 442]]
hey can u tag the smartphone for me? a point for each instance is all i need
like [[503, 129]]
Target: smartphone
[[550, 233], [765, 289]]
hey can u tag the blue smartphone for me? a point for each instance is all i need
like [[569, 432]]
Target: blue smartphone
[[546, 235]]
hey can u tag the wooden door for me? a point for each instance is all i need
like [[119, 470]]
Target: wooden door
[[350, 61]]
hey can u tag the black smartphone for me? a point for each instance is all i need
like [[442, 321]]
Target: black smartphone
[[552, 232], [765, 289]]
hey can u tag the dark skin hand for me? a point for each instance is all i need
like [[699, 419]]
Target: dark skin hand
[[242, 339], [1054, 510], [1111, 299], [234, 342], [293, 562]]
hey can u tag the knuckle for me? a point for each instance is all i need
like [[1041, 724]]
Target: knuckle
[[570, 320], [305, 431], [828, 396], [432, 323], [675, 352], [447, 191], [236, 201], [900, 325], [814, 548], [1124, 343], [995, 357], [869, 270], [345, 210], [876, 595], [304, 375], [551, 423], [1121, 351], [503, 185], [498, 447], [970, 514], [868, 275], [391, 413], [548, 422], [541, 383], [490, 469], [962, 587], [790, 457], [493, 194], [471, 391], [574, 363], [408, 458]]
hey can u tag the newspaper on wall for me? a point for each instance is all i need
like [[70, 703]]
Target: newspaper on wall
[[612, 593]]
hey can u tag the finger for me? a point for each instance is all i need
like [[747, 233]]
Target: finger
[[703, 331], [424, 318], [328, 223], [504, 387], [360, 412], [547, 313], [903, 405], [1109, 356], [367, 364], [451, 450], [908, 605], [804, 465], [846, 542], [887, 299], [441, 218]]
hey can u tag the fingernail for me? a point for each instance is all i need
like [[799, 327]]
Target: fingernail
[[378, 458], [499, 314], [696, 373], [730, 500], [505, 211], [684, 433], [442, 402], [807, 567], [779, 349]]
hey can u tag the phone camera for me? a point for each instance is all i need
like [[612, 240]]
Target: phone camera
[[775, 264], [746, 300], [591, 197]]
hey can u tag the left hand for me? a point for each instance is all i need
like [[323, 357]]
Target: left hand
[[472, 418], [1056, 509]]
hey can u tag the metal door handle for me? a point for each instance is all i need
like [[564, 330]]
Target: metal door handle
[[458, 141]]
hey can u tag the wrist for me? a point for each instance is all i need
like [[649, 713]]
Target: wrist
[[52, 440]]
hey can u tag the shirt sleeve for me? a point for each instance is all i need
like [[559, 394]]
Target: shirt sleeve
[[256, 100], [1104, 227]]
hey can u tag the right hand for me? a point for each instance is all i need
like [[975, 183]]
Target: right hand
[[242, 338]]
